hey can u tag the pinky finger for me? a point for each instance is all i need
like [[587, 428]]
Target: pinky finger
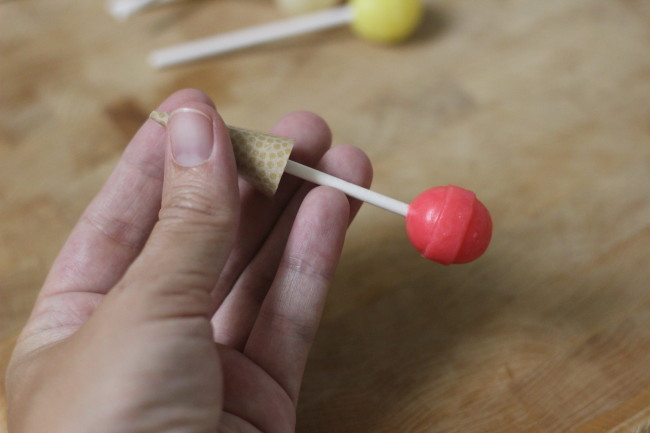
[[289, 317]]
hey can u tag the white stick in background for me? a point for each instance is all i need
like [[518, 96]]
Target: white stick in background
[[239, 39], [304, 6], [123, 9]]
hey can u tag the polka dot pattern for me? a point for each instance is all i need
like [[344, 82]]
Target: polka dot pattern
[[261, 158]]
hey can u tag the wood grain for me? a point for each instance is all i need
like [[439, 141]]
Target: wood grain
[[541, 107]]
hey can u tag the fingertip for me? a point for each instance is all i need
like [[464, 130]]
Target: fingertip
[[311, 133], [352, 163], [206, 109], [329, 204], [185, 96], [151, 134], [298, 121], [222, 135]]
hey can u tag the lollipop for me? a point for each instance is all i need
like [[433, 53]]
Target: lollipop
[[446, 224], [385, 21]]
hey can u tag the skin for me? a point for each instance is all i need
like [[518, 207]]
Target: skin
[[183, 300]]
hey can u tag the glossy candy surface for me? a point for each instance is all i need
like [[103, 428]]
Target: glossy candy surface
[[449, 225], [386, 21]]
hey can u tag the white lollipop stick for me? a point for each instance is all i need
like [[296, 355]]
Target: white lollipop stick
[[239, 39], [311, 175], [123, 9]]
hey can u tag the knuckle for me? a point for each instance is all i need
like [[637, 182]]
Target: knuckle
[[177, 295], [118, 229], [306, 268], [191, 301], [294, 328], [191, 205]]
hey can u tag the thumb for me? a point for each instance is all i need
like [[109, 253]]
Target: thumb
[[193, 237]]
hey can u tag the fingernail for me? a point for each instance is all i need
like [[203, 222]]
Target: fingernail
[[192, 137]]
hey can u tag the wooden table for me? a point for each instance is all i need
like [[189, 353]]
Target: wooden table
[[541, 107]]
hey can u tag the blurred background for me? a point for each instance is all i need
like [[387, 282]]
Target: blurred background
[[540, 107]]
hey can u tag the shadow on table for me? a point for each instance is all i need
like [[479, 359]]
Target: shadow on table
[[392, 323], [435, 23], [409, 345]]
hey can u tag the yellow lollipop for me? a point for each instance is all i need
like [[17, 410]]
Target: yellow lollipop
[[386, 21]]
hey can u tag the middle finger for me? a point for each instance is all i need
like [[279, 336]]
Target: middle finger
[[259, 213]]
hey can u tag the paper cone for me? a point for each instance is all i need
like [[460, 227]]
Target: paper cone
[[261, 158]]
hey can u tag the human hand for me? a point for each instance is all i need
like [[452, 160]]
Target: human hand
[[184, 301]]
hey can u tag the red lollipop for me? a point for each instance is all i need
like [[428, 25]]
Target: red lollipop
[[446, 224]]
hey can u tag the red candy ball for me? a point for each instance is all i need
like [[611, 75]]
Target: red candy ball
[[448, 224]]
